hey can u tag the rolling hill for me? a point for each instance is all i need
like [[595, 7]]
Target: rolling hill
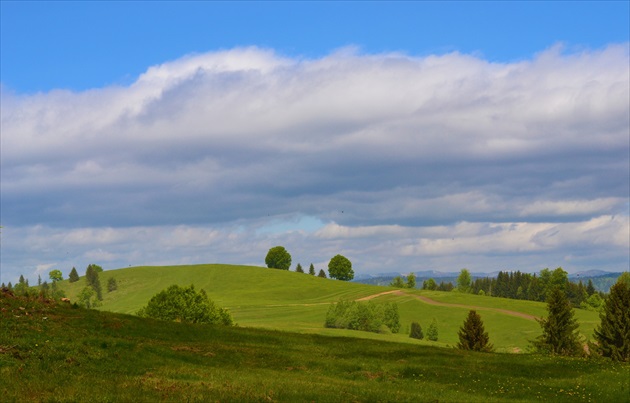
[[282, 300]]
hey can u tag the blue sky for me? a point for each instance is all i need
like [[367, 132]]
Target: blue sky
[[406, 136], [81, 45]]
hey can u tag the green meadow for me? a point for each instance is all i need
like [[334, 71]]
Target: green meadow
[[281, 300], [52, 352]]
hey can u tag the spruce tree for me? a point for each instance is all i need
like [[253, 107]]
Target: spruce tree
[[613, 334], [322, 273], [472, 335], [416, 331], [311, 270], [74, 276], [299, 269], [560, 329], [432, 331]]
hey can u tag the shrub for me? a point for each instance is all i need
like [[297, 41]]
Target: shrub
[[185, 304], [369, 317]]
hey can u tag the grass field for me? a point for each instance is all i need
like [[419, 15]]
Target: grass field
[[289, 301], [55, 353]]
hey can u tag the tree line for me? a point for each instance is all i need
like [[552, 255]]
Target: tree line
[[339, 267]]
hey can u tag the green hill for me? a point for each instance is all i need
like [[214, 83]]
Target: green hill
[[283, 300], [52, 352]]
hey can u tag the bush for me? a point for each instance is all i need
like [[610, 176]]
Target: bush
[[369, 317], [416, 331], [185, 304]]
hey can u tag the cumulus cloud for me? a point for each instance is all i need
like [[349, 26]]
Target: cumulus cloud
[[429, 155]]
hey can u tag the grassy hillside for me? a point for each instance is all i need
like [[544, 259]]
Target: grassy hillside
[[282, 300], [52, 352]]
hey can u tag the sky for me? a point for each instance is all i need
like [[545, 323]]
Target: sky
[[406, 136]]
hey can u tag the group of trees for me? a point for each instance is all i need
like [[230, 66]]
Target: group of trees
[[398, 281], [560, 335], [366, 316], [339, 267], [417, 333]]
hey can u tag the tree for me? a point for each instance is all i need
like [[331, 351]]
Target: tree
[[472, 335], [87, 298], [411, 281], [39, 280], [432, 331], [91, 277], [397, 282], [560, 335], [278, 258], [185, 304], [299, 269], [429, 284], [321, 273], [311, 270], [463, 281], [613, 333], [112, 285], [74, 276], [416, 331], [340, 268], [55, 275], [96, 267]]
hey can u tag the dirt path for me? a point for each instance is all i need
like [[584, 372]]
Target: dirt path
[[430, 301]]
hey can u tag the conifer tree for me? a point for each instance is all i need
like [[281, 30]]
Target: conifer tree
[[321, 273], [432, 331], [416, 331], [311, 270], [613, 334], [299, 269], [74, 276], [560, 329], [472, 335]]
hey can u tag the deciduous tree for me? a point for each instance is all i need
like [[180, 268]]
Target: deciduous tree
[[340, 268], [55, 275], [463, 281], [411, 281], [278, 258]]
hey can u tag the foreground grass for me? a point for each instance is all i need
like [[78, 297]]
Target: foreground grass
[[57, 353]]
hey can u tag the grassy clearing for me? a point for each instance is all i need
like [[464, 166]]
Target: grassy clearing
[[289, 301], [57, 353]]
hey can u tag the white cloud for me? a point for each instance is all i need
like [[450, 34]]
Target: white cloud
[[426, 156]]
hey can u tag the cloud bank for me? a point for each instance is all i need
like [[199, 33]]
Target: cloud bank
[[400, 162]]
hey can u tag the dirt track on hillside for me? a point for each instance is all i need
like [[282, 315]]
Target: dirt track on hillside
[[430, 301]]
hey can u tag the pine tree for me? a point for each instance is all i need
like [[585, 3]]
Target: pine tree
[[432, 331], [560, 335], [299, 269], [74, 276], [322, 273], [416, 331], [472, 335], [613, 334], [311, 270]]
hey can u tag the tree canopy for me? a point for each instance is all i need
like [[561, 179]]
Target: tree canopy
[[55, 275], [340, 268], [278, 258]]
